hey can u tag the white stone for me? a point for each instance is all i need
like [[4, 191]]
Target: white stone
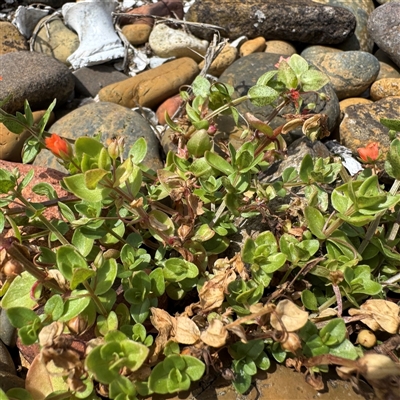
[[92, 21], [167, 42]]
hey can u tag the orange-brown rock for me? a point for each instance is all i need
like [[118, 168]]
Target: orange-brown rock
[[252, 46], [137, 34], [385, 88], [170, 106], [279, 47], [152, 87], [351, 101], [10, 39], [224, 59], [11, 144]]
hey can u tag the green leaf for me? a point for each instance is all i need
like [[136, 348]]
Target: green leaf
[[313, 80], [105, 276], [309, 300], [17, 394], [21, 316], [177, 269], [45, 189], [287, 75], [68, 259], [252, 349], [392, 163], [54, 307], [75, 304], [266, 77], [76, 184], [7, 181], [242, 380], [289, 175], [140, 312], [261, 96], [19, 292], [201, 86], [194, 367], [89, 146], [345, 349], [157, 282], [2, 222], [262, 361], [30, 150], [218, 163], [80, 275], [334, 332], [315, 222], [306, 167], [66, 212], [25, 182], [393, 124], [298, 64], [93, 177], [28, 113], [82, 242], [15, 125], [45, 119]]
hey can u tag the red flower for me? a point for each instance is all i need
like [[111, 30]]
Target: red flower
[[369, 153], [59, 147]]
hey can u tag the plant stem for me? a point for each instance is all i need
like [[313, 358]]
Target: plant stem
[[42, 219], [29, 266], [95, 298], [374, 225]]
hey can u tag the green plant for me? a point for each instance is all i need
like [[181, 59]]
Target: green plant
[[131, 242]]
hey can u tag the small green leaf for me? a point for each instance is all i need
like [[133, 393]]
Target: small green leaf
[[315, 222], [76, 184], [309, 300], [68, 259], [105, 276], [45, 189], [19, 292], [392, 163], [393, 124], [334, 332], [218, 163], [266, 77], [313, 80], [80, 275], [345, 349], [75, 304], [298, 64], [54, 307], [306, 167], [261, 96], [287, 75], [138, 151], [45, 119], [177, 269], [93, 177], [7, 181], [201, 86], [30, 150], [21, 316]]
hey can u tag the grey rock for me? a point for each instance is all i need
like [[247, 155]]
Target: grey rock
[[244, 73], [10, 381], [6, 362], [35, 77], [384, 28], [350, 72], [299, 20], [110, 120], [89, 80], [8, 334], [361, 9], [296, 151]]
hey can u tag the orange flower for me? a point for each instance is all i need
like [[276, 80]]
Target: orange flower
[[369, 153], [59, 147]]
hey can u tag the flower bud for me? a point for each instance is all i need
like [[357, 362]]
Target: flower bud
[[59, 147], [366, 338], [291, 343], [113, 150]]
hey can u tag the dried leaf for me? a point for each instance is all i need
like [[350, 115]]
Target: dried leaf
[[212, 294], [40, 383], [215, 335], [382, 314], [288, 314], [315, 381], [165, 324], [378, 366], [186, 331], [239, 331], [49, 333]]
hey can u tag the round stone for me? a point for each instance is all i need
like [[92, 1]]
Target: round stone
[[110, 120], [56, 40], [34, 77], [11, 39], [385, 88], [350, 72], [244, 73], [137, 34], [280, 47], [252, 46]]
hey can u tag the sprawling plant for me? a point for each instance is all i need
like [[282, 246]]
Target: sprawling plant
[[137, 261]]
